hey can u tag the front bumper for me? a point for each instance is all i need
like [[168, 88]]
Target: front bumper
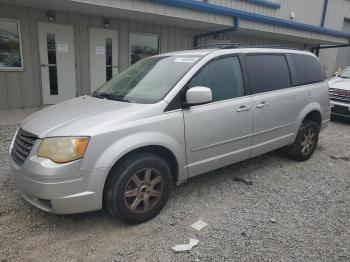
[[59, 188], [340, 109]]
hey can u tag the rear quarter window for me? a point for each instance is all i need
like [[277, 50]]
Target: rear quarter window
[[268, 72], [308, 70]]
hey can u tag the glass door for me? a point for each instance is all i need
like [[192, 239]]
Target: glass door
[[103, 56]]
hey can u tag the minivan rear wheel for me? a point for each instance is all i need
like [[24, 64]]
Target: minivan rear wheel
[[305, 142], [138, 188]]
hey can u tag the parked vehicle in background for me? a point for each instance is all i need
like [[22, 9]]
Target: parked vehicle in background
[[339, 90], [165, 119]]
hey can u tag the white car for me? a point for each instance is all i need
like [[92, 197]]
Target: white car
[[339, 89]]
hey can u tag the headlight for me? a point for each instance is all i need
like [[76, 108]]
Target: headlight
[[63, 149]]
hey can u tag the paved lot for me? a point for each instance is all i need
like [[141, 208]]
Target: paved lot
[[292, 212]]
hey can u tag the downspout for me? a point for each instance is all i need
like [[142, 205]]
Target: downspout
[[323, 20], [236, 23], [324, 13]]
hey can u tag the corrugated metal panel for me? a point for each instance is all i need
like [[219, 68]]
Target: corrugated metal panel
[[309, 37], [337, 11], [307, 11], [152, 7], [23, 89]]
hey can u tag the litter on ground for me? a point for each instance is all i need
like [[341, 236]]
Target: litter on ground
[[185, 247], [199, 225]]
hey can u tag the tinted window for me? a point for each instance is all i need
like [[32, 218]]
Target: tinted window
[[267, 73], [223, 76], [308, 70]]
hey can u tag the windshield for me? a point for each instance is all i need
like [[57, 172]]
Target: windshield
[[147, 81], [345, 73]]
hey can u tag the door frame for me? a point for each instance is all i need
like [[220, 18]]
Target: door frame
[[117, 66], [39, 58]]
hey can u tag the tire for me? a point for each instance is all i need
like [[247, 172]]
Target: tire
[[138, 188], [305, 142]]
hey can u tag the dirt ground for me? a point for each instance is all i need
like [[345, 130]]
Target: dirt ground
[[292, 212]]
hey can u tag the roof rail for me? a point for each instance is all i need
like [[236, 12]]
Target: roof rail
[[240, 45], [220, 45]]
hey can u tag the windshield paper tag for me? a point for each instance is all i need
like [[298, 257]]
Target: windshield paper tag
[[186, 59]]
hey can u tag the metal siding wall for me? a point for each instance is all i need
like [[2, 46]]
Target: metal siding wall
[[152, 7], [20, 89], [337, 11], [307, 11], [23, 89], [343, 54]]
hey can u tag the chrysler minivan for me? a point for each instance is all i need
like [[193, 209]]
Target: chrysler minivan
[[163, 120]]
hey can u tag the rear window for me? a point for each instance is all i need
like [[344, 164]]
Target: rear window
[[268, 73], [308, 70]]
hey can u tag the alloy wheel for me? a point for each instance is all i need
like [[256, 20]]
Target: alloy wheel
[[308, 142], [143, 190]]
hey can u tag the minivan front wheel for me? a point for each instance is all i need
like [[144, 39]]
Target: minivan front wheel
[[138, 188], [305, 142]]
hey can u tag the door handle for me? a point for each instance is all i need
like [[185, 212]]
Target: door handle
[[243, 108], [262, 105], [115, 66], [44, 65]]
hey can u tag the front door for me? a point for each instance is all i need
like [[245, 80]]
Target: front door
[[103, 56], [219, 133], [57, 59]]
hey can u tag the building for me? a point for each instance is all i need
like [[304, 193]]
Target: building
[[52, 50]]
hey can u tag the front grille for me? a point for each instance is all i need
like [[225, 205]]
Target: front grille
[[339, 95], [342, 110], [22, 146]]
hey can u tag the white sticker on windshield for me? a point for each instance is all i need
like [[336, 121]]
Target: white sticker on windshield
[[186, 59]]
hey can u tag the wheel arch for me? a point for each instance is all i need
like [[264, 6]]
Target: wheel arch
[[312, 111], [315, 116], [161, 144], [161, 151]]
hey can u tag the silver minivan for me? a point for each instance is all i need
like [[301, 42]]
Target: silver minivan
[[163, 120]]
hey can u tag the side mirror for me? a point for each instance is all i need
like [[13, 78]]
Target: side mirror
[[198, 95]]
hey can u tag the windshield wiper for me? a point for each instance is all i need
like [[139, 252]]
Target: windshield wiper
[[346, 77], [110, 97]]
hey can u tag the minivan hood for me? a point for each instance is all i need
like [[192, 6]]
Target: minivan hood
[[339, 83], [79, 116]]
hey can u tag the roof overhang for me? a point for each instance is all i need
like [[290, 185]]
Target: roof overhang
[[256, 18], [133, 11]]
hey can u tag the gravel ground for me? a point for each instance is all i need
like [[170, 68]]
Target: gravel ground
[[291, 212]]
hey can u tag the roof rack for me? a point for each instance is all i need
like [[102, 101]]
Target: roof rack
[[239, 45]]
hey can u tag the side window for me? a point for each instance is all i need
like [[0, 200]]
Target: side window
[[268, 73], [308, 70], [223, 76]]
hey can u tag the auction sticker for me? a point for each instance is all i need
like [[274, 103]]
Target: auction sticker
[[186, 59]]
